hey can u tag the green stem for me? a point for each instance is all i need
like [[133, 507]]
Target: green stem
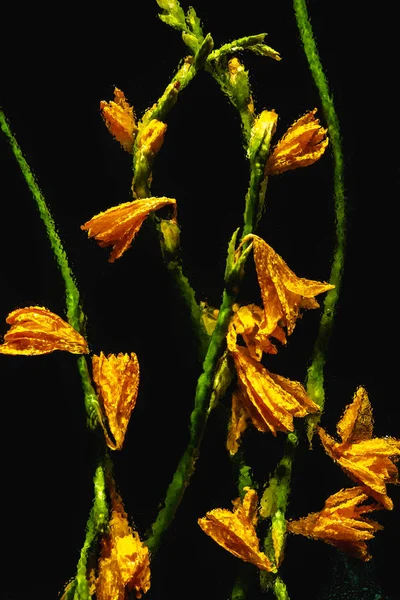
[[95, 526], [75, 315], [198, 420], [315, 375]]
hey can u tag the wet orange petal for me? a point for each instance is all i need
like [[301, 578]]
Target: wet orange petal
[[340, 523], [366, 460], [119, 118], [302, 145], [282, 292], [124, 562], [235, 531], [238, 422], [36, 330], [117, 383], [271, 401], [118, 225]]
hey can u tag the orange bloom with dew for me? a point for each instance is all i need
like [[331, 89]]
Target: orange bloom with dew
[[119, 118], [270, 401], [283, 293], [124, 564], [117, 383], [249, 322], [235, 531], [302, 145], [36, 330], [118, 225], [341, 522], [367, 460]]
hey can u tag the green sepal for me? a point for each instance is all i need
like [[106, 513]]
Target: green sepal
[[264, 50], [222, 380], [230, 259], [191, 41], [194, 23], [173, 14], [250, 42], [203, 52]]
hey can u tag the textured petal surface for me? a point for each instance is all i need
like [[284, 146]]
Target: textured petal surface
[[235, 531], [36, 330], [117, 382], [119, 118], [118, 225]]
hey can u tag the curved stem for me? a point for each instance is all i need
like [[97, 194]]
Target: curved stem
[[315, 375]]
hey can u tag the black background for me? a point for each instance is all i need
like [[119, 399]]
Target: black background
[[56, 67]]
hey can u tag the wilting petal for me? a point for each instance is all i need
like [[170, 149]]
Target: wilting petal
[[271, 400], [118, 225], [119, 117], [36, 330], [124, 563], [249, 322], [117, 382], [282, 292], [235, 531], [340, 523], [366, 460], [302, 145]]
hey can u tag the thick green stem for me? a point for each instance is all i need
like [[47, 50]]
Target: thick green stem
[[198, 420], [315, 375]]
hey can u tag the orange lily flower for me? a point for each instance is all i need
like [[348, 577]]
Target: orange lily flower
[[124, 563], [36, 330], [249, 322], [302, 145], [271, 401], [340, 523], [119, 118], [368, 461], [118, 225], [283, 293], [117, 383], [235, 531]]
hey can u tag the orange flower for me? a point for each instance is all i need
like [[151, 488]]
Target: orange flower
[[124, 562], [249, 322], [283, 293], [235, 531], [340, 523], [368, 461], [119, 118], [151, 137], [271, 401], [117, 383], [118, 225], [36, 330], [302, 145]]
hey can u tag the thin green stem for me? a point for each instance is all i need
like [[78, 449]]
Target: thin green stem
[[315, 375], [75, 314], [96, 525]]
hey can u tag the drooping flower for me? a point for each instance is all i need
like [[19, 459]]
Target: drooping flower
[[118, 225], [249, 322], [119, 118], [124, 563], [36, 330], [283, 293], [303, 144], [270, 401], [117, 383], [367, 460], [235, 531], [341, 522]]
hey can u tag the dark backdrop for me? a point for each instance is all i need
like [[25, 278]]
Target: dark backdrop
[[57, 64]]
